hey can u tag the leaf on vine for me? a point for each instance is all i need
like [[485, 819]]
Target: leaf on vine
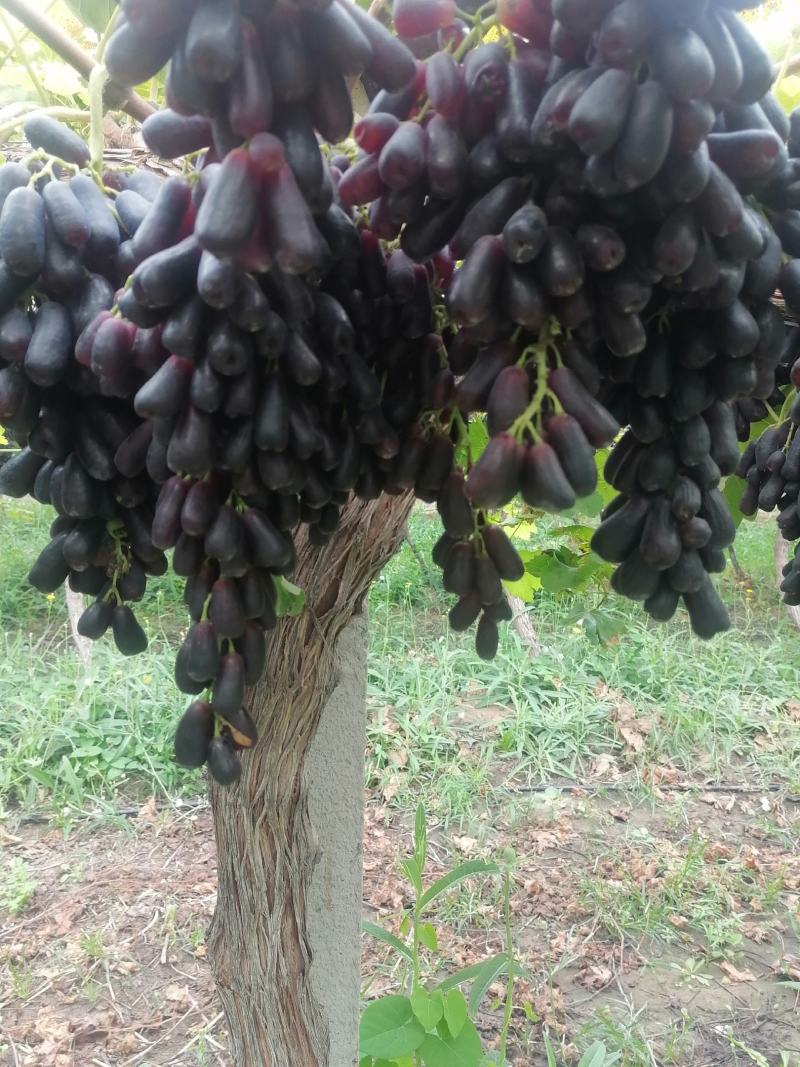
[[428, 1008], [478, 437], [444, 1050], [732, 491], [609, 627], [525, 588], [93, 13], [388, 1028], [788, 92], [455, 1011], [61, 80], [290, 598]]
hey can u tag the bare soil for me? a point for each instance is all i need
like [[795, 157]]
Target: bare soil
[[105, 963]]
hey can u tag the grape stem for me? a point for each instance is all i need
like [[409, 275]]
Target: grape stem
[[47, 169], [540, 353], [97, 83], [121, 563], [477, 32]]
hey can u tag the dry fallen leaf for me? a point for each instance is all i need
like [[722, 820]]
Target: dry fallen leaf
[[633, 729], [123, 1044], [756, 933], [720, 801], [178, 995], [466, 845], [604, 766], [490, 715], [718, 850], [750, 859], [663, 774], [148, 812], [51, 1026], [596, 977], [733, 974]]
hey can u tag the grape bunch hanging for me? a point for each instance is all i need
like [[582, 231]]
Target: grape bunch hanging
[[568, 218]]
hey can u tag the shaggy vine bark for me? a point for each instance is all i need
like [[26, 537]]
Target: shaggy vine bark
[[267, 845]]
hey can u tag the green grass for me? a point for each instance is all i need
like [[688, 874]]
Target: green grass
[[712, 705], [71, 736], [463, 736], [68, 735], [680, 889], [17, 887]]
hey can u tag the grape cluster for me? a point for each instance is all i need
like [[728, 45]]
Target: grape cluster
[[239, 69], [770, 465], [565, 218], [59, 242], [231, 406], [278, 396], [613, 181]]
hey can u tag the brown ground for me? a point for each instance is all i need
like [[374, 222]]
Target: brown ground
[[106, 962]]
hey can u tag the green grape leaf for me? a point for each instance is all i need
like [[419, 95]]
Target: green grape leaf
[[428, 1008], [557, 577], [60, 80], [388, 1028], [578, 531], [732, 491], [608, 626], [455, 1011], [522, 531], [444, 1050], [525, 588], [93, 13], [589, 507], [478, 437], [290, 598], [788, 92]]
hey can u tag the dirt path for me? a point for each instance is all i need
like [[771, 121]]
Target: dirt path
[[674, 920]]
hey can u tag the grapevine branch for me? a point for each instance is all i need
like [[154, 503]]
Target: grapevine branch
[[63, 45]]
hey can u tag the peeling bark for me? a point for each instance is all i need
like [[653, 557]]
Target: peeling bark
[[75, 606], [523, 624], [268, 849]]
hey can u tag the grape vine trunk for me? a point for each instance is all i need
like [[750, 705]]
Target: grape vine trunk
[[267, 844]]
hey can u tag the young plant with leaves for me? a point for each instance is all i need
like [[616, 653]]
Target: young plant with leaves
[[433, 1023]]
